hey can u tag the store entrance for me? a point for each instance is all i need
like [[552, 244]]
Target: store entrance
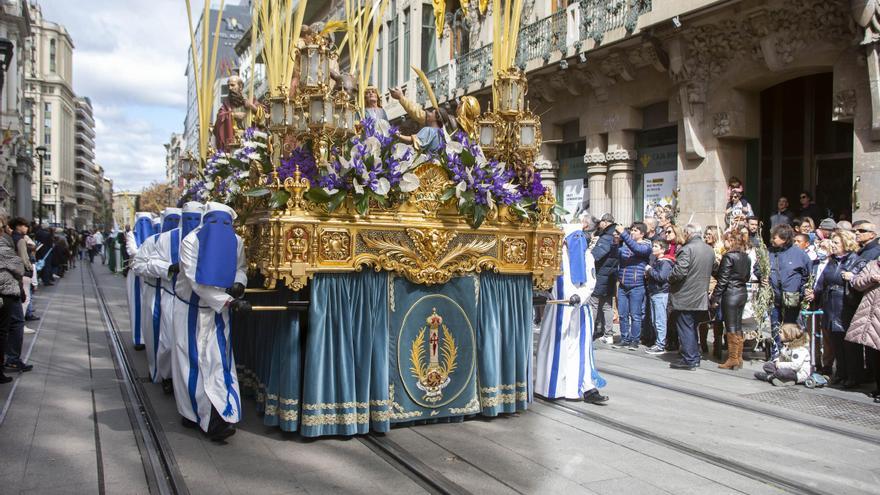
[[803, 149]]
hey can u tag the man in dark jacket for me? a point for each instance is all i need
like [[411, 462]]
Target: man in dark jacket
[[869, 244], [604, 252], [689, 293], [790, 270], [11, 314], [783, 215]]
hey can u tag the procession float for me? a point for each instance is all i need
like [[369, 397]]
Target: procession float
[[391, 276]]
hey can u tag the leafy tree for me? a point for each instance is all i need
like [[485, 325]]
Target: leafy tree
[[158, 196]]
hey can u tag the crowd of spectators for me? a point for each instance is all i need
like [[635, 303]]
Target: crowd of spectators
[[33, 256], [817, 280]]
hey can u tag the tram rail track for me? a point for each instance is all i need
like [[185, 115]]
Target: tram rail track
[[408, 464], [748, 405], [731, 465], [160, 467]]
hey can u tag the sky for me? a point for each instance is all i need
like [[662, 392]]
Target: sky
[[129, 57]]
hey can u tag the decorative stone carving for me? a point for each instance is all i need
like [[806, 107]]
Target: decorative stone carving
[[722, 124], [650, 54], [617, 66], [867, 16], [844, 105], [594, 158], [621, 155], [599, 82]]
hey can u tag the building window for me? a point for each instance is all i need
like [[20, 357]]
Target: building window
[[47, 189], [47, 124], [406, 23], [460, 35], [52, 56], [392, 52], [379, 65], [429, 39]]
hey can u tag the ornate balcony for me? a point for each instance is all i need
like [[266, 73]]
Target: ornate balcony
[[541, 40]]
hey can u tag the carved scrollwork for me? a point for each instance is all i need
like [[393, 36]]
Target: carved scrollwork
[[335, 245], [430, 260], [514, 250], [433, 180]]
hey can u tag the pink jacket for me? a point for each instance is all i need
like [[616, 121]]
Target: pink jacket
[[865, 326]]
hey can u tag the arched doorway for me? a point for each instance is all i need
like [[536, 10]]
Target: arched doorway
[[803, 149]]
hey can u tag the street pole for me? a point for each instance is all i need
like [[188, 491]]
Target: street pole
[[41, 151]]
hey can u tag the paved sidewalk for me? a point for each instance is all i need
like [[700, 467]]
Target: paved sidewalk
[[66, 428]]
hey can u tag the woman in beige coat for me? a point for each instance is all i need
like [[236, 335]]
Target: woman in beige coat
[[865, 326]]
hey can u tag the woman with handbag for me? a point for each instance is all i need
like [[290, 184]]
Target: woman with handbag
[[839, 302], [789, 274]]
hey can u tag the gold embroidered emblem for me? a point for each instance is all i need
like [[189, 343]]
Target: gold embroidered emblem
[[434, 376]]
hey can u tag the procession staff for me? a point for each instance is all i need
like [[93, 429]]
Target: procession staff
[[565, 366], [211, 280], [143, 228], [151, 264]]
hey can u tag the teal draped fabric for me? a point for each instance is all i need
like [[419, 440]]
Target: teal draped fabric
[[504, 342], [269, 358], [345, 375]]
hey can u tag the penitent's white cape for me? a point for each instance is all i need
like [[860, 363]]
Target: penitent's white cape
[[565, 365], [204, 371], [151, 263], [134, 287]]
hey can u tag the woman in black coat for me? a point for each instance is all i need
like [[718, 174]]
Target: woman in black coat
[[839, 303], [733, 274]]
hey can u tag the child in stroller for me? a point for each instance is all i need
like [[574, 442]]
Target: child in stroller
[[793, 364]]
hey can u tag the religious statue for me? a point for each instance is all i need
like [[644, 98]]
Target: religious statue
[[466, 114], [867, 15], [373, 104], [232, 116], [432, 135]]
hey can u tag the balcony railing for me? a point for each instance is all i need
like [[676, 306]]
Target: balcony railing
[[540, 40], [474, 66]]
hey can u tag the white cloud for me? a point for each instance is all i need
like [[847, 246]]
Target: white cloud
[[130, 149], [129, 55]]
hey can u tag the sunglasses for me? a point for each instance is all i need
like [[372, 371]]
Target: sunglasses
[[669, 232], [804, 197], [862, 231]]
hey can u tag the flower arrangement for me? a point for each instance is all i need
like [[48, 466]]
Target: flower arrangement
[[372, 165], [225, 177], [763, 298]]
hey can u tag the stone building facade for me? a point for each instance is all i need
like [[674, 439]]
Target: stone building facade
[[124, 208], [51, 109], [16, 163]]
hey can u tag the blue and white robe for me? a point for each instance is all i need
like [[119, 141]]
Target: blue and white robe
[[565, 364], [134, 287], [151, 263], [204, 367]]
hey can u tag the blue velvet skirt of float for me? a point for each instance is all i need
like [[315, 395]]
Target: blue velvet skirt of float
[[268, 357]]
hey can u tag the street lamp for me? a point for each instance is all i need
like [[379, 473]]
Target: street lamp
[[41, 153], [57, 208]]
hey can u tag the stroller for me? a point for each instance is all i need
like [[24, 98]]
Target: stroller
[[815, 379]]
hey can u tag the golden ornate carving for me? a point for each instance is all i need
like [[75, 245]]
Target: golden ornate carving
[[514, 250], [433, 180], [431, 261], [297, 187], [297, 245], [545, 206], [547, 252], [335, 245]]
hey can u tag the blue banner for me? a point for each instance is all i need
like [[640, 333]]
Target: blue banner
[[433, 349]]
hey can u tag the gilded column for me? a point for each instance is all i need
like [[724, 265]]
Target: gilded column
[[596, 177], [621, 164]]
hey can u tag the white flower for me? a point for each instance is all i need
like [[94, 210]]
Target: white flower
[[253, 156], [331, 192], [234, 187], [209, 186], [245, 174], [460, 188], [383, 186], [344, 165], [222, 161], [260, 134], [454, 147], [374, 147], [358, 187], [409, 182], [400, 150], [383, 127]]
